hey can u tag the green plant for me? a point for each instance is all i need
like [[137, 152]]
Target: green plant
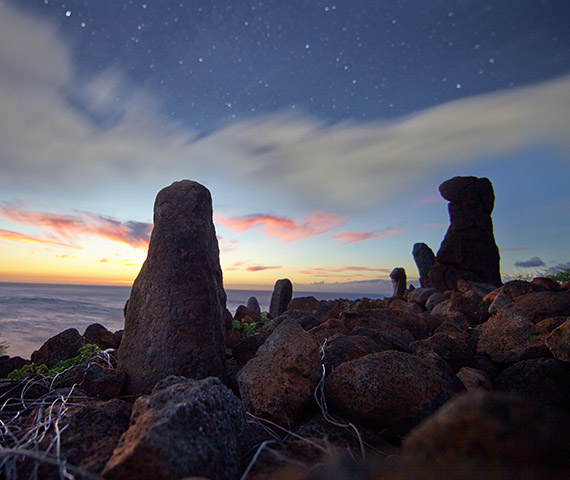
[[241, 326], [562, 275], [84, 354], [265, 318]]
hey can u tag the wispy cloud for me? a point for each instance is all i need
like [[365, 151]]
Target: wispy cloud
[[353, 237], [334, 271], [284, 228], [63, 230], [49, 144], [22, 238], [260, 268]]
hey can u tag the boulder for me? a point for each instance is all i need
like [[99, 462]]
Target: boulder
[[537, 306], [509, 293], [175, 319], [281, 296], [435, 299], [62, 346], [343, 348], [511, 338], [94, 379], [398, 303], [558, 342], [474, 379], [468, 250], [185, 428], [278, 383], [97, 334], [421, 295], [391, 390], [253, 305], [425, 260], [9, 364], [455, 348], [399, 282], [246, 315], [547, 283], [544, 380], [480, 432]]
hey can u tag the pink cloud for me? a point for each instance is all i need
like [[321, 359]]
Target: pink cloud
[[284, 228], [353, 237], [21, 238], [259, 268], [59, 227]]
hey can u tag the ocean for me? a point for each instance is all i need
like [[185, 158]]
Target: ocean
[[32, 313]]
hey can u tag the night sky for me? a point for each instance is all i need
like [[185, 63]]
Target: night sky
[[322, 129]]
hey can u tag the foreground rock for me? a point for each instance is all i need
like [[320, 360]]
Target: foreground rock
[[185, 428], [62, 346], [391, 390], [492, 434], [468, 250], [175, 318], [278, 383]]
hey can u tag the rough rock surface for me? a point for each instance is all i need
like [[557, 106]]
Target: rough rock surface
[[468, 250], [8, 364], [474, 379], [281, 296], [480, 430], [509, 293], [60, 347], [392, 390], [188, 428], [421, 295], [558, 342], [253, 305], [95, 380], [175, 319], [343, 348], [425, 260], [537, 306], [97, 334], [278, 383], [399, 282]]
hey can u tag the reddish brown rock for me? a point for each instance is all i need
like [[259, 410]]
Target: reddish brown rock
[[244, 314], [538, 306], [278, 383], [547, 283], [398, 303], [469, 304], [468, 250], [421, 295], [558, 342], [98, 335], [435, 299], [509, 293], [175, 319], [95, 380], [343, 348], [392, 390], [60, 347], [544, 380], [511, 338], [456, 348], [474, 379], [187, 428], [484, 432]]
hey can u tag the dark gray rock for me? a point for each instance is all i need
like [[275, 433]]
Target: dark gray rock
[[97, 334], [282, 295], [425, 260], [175, 322], [253, 305], [62, 346], [186, 428], [468, 251], [399, 282]]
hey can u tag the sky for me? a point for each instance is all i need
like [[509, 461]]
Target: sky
[[322, 129]]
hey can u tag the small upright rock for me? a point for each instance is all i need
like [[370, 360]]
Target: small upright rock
[[468, 250], [175, 319], [253, 305], [398, 276], [282, 295], [425, 260]]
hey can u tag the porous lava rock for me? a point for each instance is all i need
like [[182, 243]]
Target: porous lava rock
[[343, 348], [278, 383], [537, 306], [185, 428], [425, 260], [507, 294], [94, 379], [489, 432], [391, 390], [468, 250], [558, 341], [421, 295], [60, 347], [474, 379], [175, 318], [281, 296]]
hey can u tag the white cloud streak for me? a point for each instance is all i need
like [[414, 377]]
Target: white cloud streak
[[48, 144]]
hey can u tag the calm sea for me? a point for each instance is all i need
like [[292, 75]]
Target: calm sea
[[32, 313]]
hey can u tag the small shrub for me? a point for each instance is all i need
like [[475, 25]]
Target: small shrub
[[265, 318]]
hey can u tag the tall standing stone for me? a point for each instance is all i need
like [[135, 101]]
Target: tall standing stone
[[174, 322], [399, 282], [468, 250], [425, 260], [282, 295]]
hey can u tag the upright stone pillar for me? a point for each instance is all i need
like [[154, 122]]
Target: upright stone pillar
[[174, 321], [282, 295], [425, 260], [399, 281]]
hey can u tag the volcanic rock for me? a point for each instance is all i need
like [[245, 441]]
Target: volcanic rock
[[392, 390], [421, 295], [253, 305], [278, 383], [399, 282], [537, 306], [281, 296], [97, 334], [425, 260], [558, 342], [343, 348], [95, 380], [509, 293], [474, 379], [187, 428], [62, 346], [468, 250], [9, 364], [175, 321]]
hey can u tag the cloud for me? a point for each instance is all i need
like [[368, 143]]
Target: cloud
[[353, 237], [22, 238], [284, 228], [533, 262], [377, 287], [59, 227], [320, 271], [260, 268]]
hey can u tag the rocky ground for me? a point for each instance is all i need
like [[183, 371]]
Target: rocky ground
[[473, 383]]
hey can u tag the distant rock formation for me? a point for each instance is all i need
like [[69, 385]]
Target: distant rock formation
[[468, 250], [425, 260], [398, 276], [282, 295], [174, 322], [253, 305]]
